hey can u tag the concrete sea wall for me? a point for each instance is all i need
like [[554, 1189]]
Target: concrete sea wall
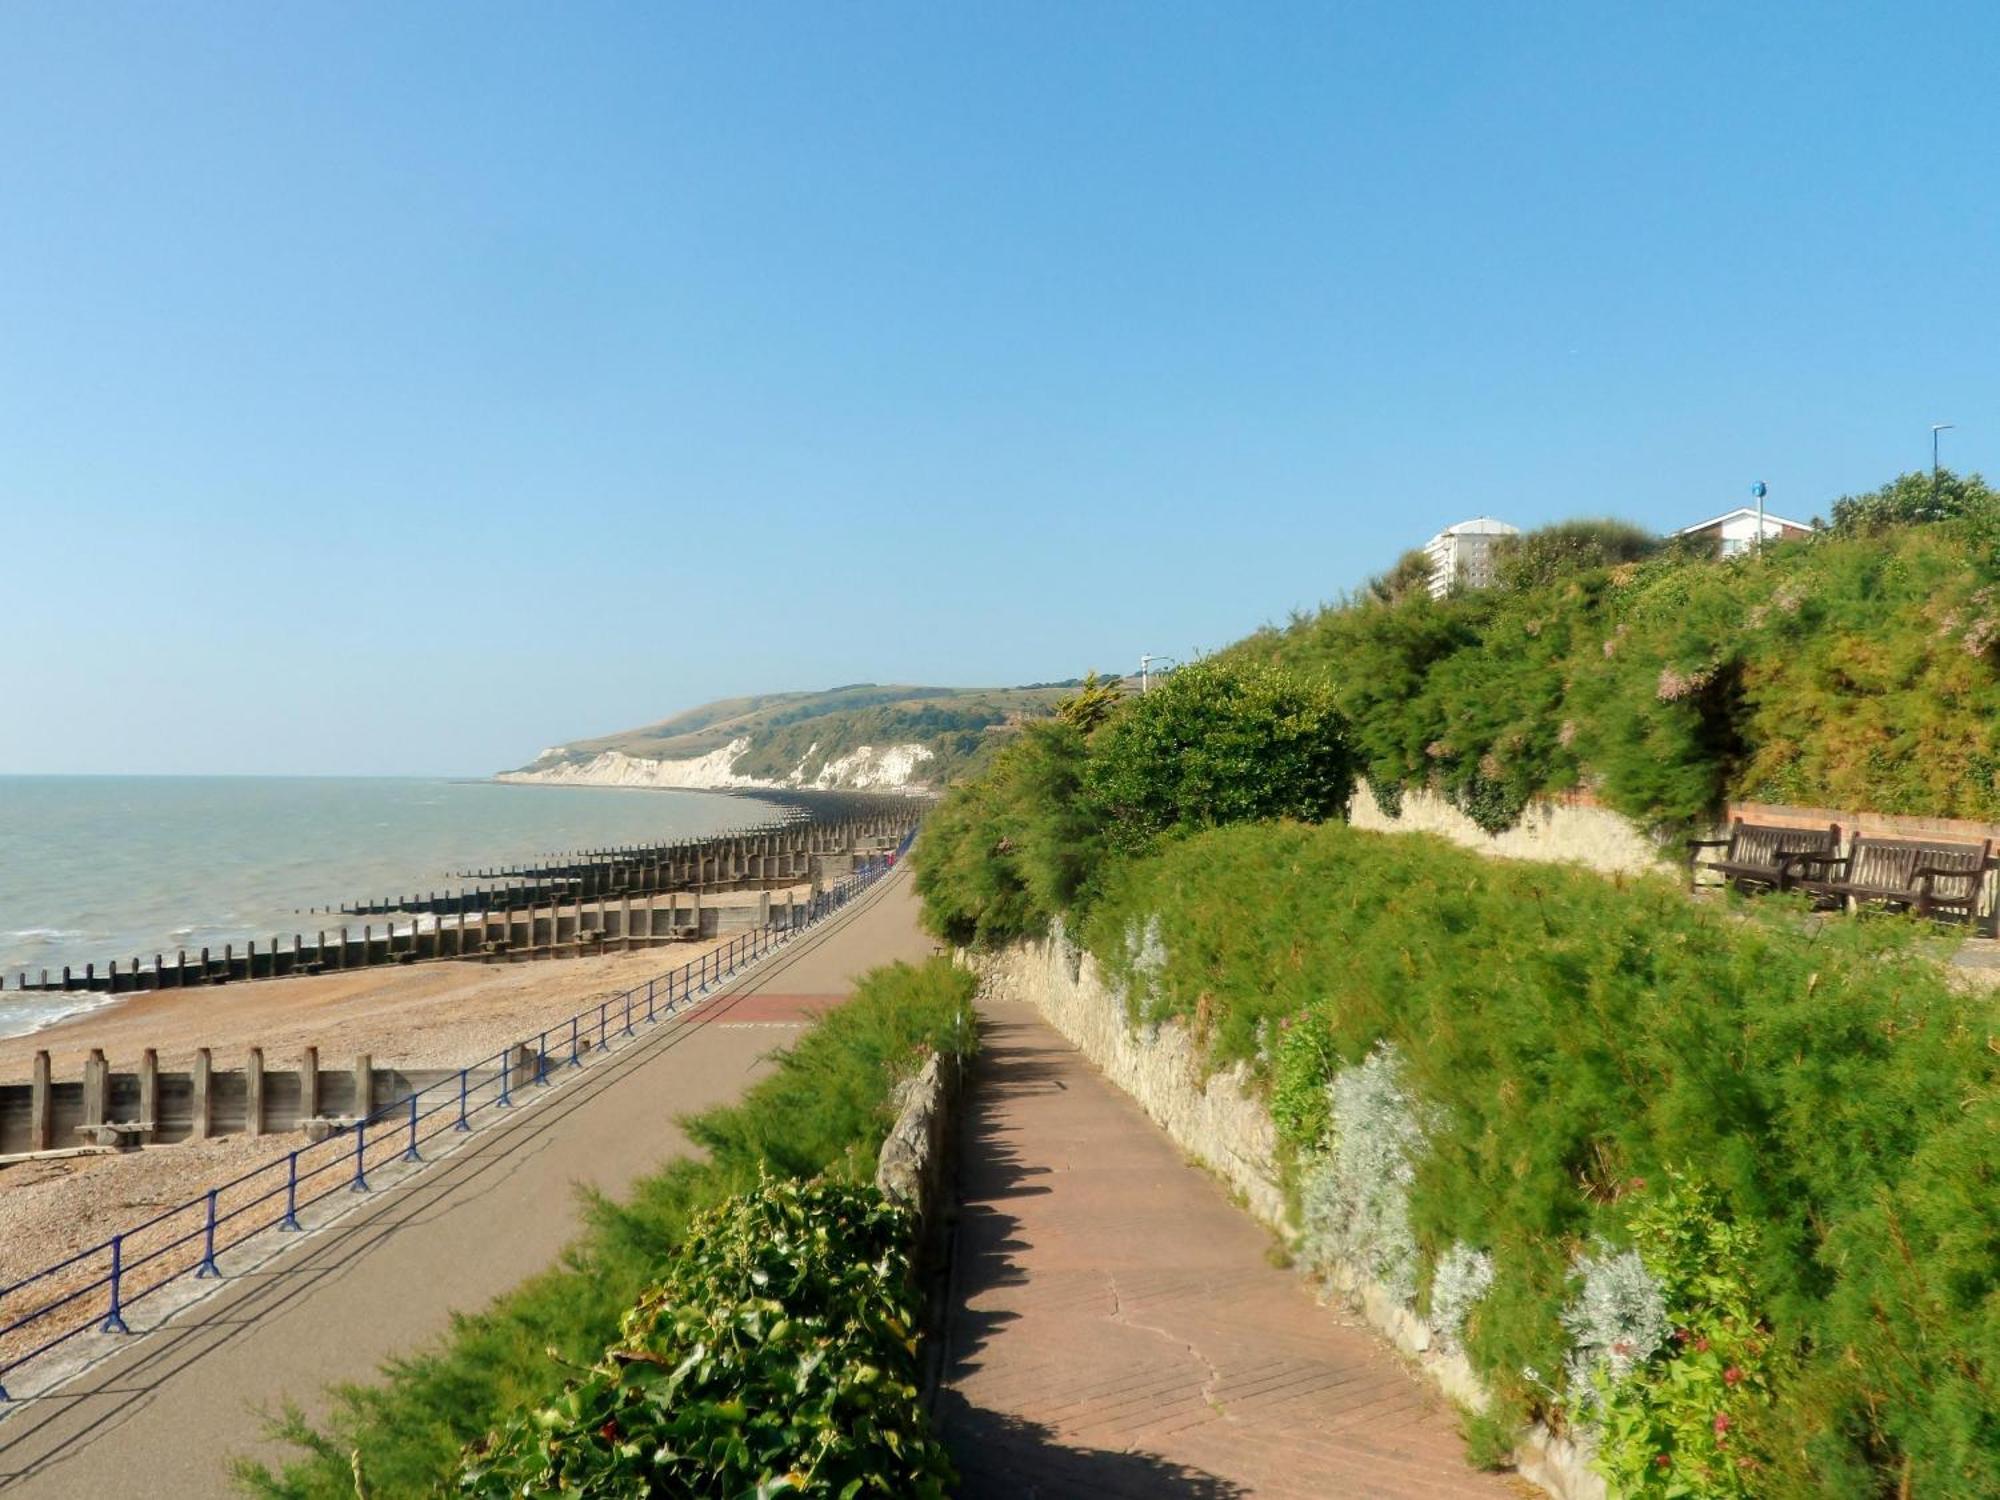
[[150, 1107]]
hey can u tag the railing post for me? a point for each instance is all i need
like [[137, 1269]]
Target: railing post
[[628, 1014], [410, 1152], [603, 1010], [542, 1061], [650, 1017], [463, 1087], [506, 1100], [114, 1320], [575, 1050], [360, 1183], [290, 1223], [208, 1266]]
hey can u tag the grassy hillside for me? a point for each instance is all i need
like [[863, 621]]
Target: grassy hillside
[[1857, 668], [799, 733]]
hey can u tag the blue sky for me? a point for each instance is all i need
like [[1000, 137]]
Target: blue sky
[[403, 387]]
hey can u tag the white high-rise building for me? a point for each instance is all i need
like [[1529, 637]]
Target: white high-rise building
[[1464, 554]]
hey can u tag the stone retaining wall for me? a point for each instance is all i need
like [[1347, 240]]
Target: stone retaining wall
[[1570, 828], [912, 1168], [1220, 1121]]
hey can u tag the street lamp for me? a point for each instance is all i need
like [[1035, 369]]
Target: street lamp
[[1936, 428], [1146, 664], [1759, 491]]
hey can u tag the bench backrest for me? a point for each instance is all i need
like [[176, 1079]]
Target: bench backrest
[[1760, 844], [1892, 864]]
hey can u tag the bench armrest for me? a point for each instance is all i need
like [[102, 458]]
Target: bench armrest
[[1809, 857]]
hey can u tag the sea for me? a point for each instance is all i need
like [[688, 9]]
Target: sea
[[94, 868]]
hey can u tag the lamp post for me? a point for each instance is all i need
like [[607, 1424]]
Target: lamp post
[[1759, 491], [1936, 428]]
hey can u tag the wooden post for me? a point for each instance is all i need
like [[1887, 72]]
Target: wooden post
[[253, 1089], [308, 1086], [149, 1093], [364, 1086], [39, 1127], [96, 1086], [204, 1095]]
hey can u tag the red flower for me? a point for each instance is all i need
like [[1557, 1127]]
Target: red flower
[[1731, 1375], [1681, 1335], [1664, 1462], [1721, 1423], [1701, 1345], [609, 1432]]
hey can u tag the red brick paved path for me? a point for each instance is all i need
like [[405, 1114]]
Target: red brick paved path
[[1117, 1330]]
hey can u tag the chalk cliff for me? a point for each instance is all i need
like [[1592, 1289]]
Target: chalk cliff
[[863, 737]]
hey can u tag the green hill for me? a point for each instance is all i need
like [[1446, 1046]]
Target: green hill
[[864, 734], [1858, 667]]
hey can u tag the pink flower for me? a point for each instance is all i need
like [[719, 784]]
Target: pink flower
[[1722, 1423], [1731, 1375], [1701, 1345]]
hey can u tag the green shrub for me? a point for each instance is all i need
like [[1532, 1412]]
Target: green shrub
[[1218, 742], [1549, 554], [825, 1108], [1914, 500], [1005, 852], [1580, 1039], [776, 1355], [1690, 1421]]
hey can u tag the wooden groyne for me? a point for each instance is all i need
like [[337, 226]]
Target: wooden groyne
[[728, 862], [589, 902]]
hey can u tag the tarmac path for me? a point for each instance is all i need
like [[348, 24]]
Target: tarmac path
[[165, 1416]]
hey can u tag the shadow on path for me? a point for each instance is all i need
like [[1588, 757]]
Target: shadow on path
[[1003, 1455]]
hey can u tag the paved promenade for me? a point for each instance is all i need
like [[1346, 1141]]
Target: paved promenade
[[164, 1417], [1116, 1328]]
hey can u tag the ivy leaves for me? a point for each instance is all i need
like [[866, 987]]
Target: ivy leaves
[[776, 1357]]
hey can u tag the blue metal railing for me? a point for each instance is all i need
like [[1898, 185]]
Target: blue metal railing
[[270, 1197]]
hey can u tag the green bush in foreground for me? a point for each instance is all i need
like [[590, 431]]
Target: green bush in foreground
[[1789, 1132], [825, 1108], [776, 1356]]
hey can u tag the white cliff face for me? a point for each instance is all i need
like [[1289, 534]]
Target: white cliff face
[[871, 770], [616, 768], [887, 768]]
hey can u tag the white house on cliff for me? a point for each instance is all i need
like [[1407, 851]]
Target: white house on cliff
[[1736, 530]]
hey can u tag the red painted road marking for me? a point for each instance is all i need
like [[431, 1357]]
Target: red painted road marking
[[766, 1008]]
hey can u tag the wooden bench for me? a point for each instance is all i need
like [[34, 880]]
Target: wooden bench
[[1763, 854], [1921, 875]]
